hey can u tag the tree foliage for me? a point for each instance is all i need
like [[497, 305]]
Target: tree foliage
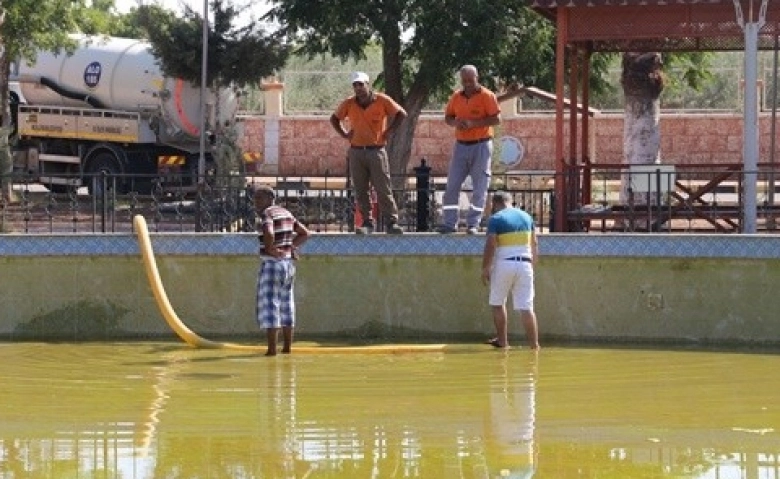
[[426, 41], [99, 17], [238, 55], [31, 25], [27, 26], [423, 44], [132, 24]]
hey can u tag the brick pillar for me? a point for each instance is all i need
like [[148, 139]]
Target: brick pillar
[[509, 108], [274, 94]]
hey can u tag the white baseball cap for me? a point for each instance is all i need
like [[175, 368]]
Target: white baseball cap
[[359, 77]]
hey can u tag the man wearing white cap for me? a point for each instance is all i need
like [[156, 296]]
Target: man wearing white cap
[[372, 116]]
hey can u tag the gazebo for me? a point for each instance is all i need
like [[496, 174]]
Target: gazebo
[[588, 26]]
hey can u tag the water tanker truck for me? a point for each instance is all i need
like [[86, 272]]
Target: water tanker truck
[[108, 108]]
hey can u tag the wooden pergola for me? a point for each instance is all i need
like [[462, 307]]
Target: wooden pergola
[[588, 26]]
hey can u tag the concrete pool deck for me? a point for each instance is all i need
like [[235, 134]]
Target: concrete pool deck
[[700, 289]]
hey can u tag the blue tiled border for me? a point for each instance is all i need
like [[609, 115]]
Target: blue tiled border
[[623, 245], [662, 246]]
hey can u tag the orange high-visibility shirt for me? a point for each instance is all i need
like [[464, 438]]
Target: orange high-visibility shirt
[[481, 104], [368, 123]]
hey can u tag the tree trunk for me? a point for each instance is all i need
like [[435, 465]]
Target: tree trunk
[[392, 66], [642, 82], [6, 159], [399, 147], [641, 131]]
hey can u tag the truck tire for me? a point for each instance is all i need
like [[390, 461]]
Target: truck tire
[[104, 162], [60, 189]]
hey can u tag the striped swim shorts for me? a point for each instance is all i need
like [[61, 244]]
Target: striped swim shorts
[[275, 297]]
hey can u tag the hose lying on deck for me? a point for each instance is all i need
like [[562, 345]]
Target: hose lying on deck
[[196, 341]]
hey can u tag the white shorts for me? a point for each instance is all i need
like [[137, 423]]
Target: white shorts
[[516, 277]]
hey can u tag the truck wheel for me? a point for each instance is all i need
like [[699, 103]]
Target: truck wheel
[[106, 163], [60, 189]]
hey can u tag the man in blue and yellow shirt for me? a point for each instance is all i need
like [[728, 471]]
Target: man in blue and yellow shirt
[[507, 265]]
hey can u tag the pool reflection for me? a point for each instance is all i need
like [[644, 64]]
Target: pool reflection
[[131, 412], [364, 431]]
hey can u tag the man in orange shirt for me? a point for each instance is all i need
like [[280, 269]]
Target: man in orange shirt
[[472, 111], [372, 116]]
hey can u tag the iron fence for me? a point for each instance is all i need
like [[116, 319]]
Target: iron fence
[[108, 203], [599, 198], [667, 198]]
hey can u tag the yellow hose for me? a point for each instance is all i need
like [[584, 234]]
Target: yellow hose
[[196, 341]]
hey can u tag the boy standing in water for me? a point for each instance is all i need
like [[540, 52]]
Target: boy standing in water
[[281, 234]]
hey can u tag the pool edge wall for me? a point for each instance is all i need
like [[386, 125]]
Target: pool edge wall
[[628, 288]]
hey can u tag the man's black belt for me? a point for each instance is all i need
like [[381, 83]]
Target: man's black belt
[[368, 147], [474, 142], [519, 258]]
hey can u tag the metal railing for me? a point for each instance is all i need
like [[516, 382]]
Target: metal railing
[[666, 198], [599, 198], [221, 204]]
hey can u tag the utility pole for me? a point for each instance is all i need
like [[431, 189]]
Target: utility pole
[[203, 93]]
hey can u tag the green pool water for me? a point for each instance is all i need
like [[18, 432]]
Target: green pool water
[[160, 410]]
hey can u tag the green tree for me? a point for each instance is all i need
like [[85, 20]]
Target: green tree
[[97, 17], [27, 26], [237, 55], [101, 17], [134, 23], [423, 44]]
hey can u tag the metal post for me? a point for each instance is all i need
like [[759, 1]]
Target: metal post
[[585, 198], [204, 58], [103, 203], [423, 179], [201, 180], [656, 226], [770, 222], [562, 24], [750, 149]]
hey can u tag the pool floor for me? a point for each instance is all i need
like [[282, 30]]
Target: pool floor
[[161, 410]]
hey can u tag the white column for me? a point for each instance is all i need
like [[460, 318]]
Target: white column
[[750, 130], [271, 149], [750, 134], [274, 110], [509, 108]]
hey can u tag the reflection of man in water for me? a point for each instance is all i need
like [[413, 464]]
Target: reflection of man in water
[[510, 430]]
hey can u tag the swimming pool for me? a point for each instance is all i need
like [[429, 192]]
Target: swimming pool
[[160, 410]]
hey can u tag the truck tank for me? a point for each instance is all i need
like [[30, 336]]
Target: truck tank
[[121, 74]]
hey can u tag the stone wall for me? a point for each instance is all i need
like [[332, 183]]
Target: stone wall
[[307, 145], [647, 288]]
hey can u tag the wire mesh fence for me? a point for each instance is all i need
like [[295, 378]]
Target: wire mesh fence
[[324, 203], [318, 92]]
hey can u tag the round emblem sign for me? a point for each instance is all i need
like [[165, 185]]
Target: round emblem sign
[[92, 74], [512, 151]]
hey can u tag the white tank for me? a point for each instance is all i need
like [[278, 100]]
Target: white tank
[[122, 74]]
